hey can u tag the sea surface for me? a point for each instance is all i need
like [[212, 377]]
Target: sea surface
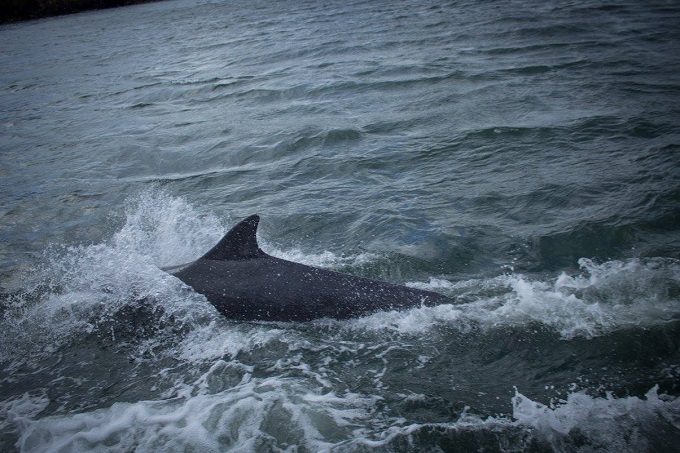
[[521, 157]]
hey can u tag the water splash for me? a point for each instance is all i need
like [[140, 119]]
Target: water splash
[[85, 289], [166, 229], [283, 412], [248, 415], [604, 297], [322, 259], [77, 289], [602, 424]]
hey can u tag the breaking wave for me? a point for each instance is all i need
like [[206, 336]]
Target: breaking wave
[[216, 384], [282, 413], [77, 289], [603, 297]]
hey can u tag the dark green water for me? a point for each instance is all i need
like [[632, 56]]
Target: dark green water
[[521, 157]]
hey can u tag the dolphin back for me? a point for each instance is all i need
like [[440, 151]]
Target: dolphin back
[[245, 283]]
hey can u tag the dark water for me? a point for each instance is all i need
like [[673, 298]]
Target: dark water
[[522, 157]]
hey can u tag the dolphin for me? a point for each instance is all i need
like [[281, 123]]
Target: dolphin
[[244, 283]]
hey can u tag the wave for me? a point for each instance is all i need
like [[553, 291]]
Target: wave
[[604, 297], [282, 412], [247, 415], [604, 424], [72, 290], [83, 289], [578, 423], [86, 288]]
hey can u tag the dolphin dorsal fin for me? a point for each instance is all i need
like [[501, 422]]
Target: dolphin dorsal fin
[[239, 243]]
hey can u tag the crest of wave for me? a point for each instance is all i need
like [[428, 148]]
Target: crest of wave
[[580, 422], [283, 412], [585, 423], [250, 414], [601, 298]]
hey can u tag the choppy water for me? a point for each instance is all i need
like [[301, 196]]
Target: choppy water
[[522, 157]]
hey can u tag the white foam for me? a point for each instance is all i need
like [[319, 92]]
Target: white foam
[[166, 229], [211, 342], [435, 284], [170, 231], [607, 424], [90, 285], [604, 297], [73, 288], [285, 412], [578, 423], [254, 413], [77, 287], [19, 411], [323, 259]]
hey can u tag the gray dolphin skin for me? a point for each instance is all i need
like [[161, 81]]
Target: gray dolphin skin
[[244, 283]]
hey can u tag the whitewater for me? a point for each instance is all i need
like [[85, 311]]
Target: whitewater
[[521, 159]]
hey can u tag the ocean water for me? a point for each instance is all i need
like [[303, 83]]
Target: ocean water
[[521, 157]]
